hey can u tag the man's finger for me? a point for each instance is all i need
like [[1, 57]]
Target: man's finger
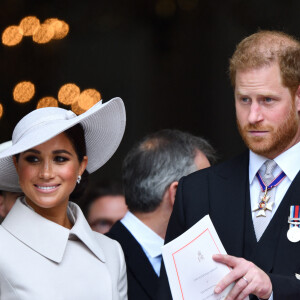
[[231, 277], [238, 288], [229, 260]]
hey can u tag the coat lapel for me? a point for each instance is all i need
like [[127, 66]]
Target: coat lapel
[[83, 231], [43, 236], [230, 184], [48, 238], [136, 260]]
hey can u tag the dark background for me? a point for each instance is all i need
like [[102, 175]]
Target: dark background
[[167, 59]]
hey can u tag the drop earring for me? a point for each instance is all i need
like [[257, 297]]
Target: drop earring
[[78, 179]]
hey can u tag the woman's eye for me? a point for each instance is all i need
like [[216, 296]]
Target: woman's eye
[[31, 159], [60, 159]]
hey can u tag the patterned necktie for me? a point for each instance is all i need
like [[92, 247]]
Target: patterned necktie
[[260, 223]]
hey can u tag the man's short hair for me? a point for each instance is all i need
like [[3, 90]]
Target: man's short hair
[[263, 49], [155, 162], [101, 189]]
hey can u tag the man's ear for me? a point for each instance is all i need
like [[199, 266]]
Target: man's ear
[[172, 191]]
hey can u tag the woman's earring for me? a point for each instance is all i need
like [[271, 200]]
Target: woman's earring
[[78, 179]]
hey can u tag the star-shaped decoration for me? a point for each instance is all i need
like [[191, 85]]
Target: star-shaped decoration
[[263, 205]]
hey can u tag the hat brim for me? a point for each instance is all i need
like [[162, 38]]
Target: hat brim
[[103, 125]]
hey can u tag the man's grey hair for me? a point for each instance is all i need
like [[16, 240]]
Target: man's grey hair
[[155, 162]]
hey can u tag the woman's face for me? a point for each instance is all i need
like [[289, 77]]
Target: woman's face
[[48, 173]]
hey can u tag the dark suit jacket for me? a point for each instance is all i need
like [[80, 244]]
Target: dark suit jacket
[[222, 192], [142, 279]]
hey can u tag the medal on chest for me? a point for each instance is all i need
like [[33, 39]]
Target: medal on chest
[[293, 233], [265, 203]]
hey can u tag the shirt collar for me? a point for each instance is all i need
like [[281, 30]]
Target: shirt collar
[[46, 237], [145, 236], [288, 162]]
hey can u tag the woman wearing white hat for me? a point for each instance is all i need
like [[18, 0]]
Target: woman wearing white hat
[[47, 249]]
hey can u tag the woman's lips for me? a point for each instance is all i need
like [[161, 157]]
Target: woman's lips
[[46, 188]]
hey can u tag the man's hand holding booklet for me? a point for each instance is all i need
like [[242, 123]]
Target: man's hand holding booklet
[[192, 272]]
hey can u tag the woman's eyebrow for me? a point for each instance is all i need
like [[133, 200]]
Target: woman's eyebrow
[[62, 151], [32, 150], [54, 152]]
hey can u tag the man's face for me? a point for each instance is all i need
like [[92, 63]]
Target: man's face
[[267, 114], [105, 211]]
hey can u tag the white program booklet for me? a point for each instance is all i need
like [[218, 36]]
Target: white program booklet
[[192, 272]]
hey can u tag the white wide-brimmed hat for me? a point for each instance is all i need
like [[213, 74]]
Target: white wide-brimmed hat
[[103, 125], [5, 145]]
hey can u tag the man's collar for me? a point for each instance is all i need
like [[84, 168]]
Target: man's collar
[[288, 161], [46, 237], [255, 163], [144, 235]]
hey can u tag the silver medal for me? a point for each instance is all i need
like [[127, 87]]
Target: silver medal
[[293, 234]]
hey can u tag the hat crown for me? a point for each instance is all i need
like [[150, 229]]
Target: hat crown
[[40, 117]]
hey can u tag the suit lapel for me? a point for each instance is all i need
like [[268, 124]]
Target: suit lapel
[[136, 260], [230, 183]]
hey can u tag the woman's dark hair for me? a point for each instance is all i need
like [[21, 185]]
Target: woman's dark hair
[[76, 136]]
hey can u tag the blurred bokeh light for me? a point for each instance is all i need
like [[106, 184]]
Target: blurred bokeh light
[[29, 25], [44, 34], [47, 102], [12, 36], [88, 98], [1, 110], [68, 93], [76, 108], [24, 91], [52, 28], [61, 28]]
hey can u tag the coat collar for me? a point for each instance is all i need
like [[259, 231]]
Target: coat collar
[[46, 237], [229, 191], [136, 260]]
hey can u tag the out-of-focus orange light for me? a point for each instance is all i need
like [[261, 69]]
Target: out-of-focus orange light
[[61, 28], [12, 36], [29, 25], [68, 93], [24, 91], [1, 110], [44, 34], [47, 102], [76, 108], [88, 98]]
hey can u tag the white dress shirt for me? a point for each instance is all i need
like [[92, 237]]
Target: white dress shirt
[[288, 162], [150, 241]]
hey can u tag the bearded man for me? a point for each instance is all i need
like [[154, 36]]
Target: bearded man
[[253, 199]]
